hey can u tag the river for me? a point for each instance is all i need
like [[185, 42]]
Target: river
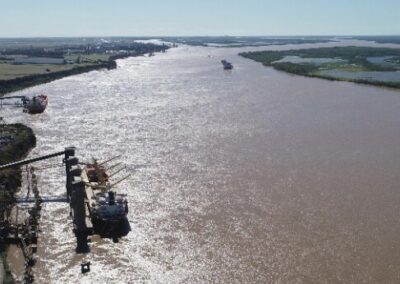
[[249, 176]]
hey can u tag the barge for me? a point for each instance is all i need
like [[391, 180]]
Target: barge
[[227, 65]]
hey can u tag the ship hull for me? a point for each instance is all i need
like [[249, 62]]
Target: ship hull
[[36, 105], [111, 228]]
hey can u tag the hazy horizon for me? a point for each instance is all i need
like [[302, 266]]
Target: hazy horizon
[[45, 18], [198, 36]]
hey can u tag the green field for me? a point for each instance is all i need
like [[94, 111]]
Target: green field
[[55, 58], [10, 71]]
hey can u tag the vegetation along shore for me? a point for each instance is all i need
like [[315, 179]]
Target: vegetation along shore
[[366, 65], [16, 140]]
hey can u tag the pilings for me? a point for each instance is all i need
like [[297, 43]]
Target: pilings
[[25, 234], [75, 189]]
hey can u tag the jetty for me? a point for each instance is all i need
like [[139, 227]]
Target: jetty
[[82, 194]]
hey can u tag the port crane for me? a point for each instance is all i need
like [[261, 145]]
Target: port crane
[[82, 186]]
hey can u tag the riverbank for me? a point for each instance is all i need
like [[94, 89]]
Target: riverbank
[[16, 140], [22, 67], [363, 65], [12, 85], [20, 83]]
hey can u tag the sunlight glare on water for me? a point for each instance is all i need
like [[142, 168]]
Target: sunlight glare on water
[[249, 176]]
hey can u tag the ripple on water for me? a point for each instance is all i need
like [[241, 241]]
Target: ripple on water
[[250, 176]]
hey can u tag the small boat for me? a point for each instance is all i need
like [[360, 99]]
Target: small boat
[[227, 65], [35, 105]]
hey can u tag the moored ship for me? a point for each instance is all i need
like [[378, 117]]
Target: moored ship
[[108, 209], [35, 105], [109, 214]]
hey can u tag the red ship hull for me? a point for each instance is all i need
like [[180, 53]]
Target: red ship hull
[[37, 105]]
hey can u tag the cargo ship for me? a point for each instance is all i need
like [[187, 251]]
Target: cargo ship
[[108, 209], [35, 105], [227, 65]]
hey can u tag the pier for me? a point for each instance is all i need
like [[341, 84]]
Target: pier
[[24, 233], [80, 195], [76, 194]]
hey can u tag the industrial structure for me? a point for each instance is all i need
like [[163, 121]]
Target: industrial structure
[[95, 209]]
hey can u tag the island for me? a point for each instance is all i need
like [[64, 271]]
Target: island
[[366, 65]]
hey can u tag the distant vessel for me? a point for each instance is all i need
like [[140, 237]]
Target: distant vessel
[[227, 65], [35, 105]]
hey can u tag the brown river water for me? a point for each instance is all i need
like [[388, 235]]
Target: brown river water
[[249, 176]]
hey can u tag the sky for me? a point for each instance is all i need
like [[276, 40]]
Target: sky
[[57, 18]]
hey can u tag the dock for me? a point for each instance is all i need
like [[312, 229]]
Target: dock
[[81, 193]]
